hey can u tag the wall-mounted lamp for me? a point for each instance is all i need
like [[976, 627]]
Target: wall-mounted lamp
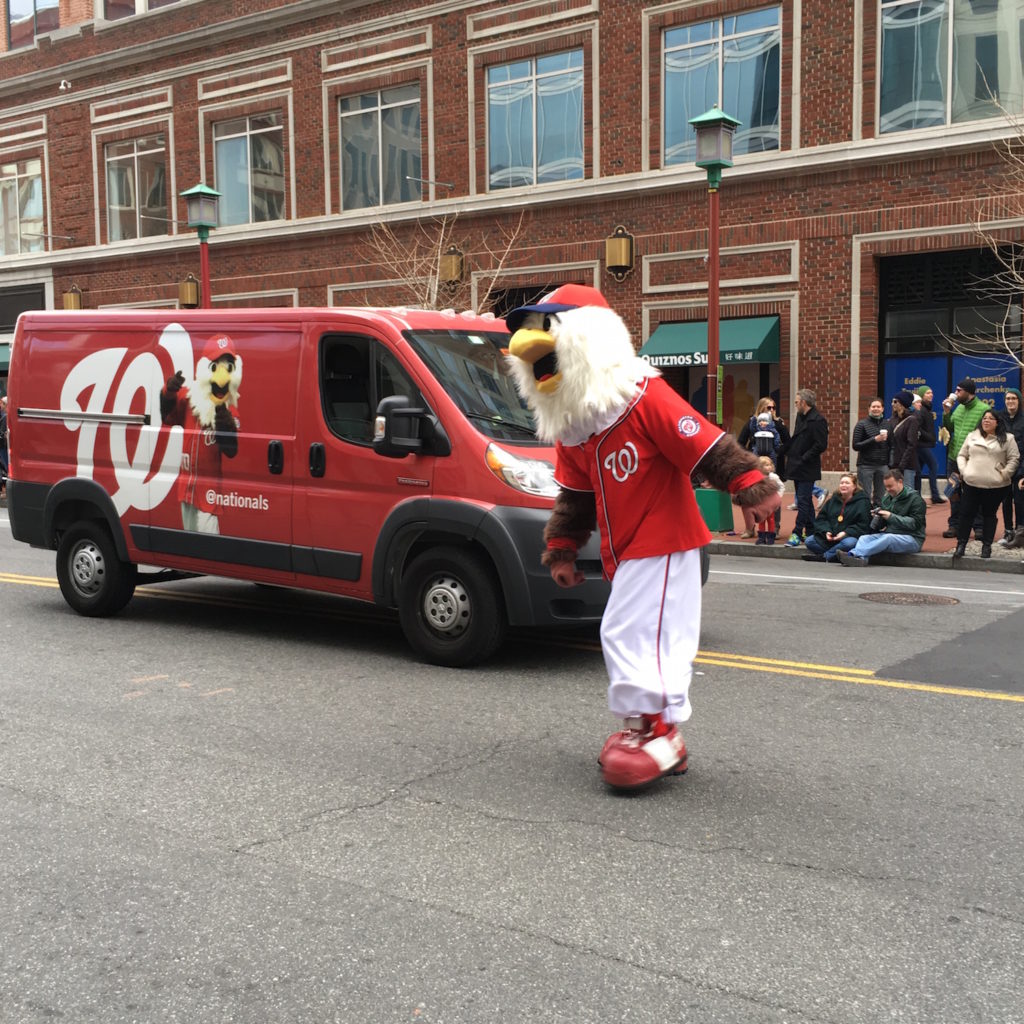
[[451, 266], [65, 86], [618, 253], [73, 297], [188, 292]]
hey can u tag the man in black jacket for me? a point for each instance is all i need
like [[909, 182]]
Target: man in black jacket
[[926, 441], [803, 462]]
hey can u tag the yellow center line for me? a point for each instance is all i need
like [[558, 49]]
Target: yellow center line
[[833, 673], [858, 676]]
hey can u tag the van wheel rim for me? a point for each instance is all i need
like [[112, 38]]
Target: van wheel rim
[[446, 606], [88, 569]]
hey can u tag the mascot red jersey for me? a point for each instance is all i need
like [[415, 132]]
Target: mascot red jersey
[[626, 446]]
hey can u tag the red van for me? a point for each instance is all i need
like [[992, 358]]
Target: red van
[[379, 454]]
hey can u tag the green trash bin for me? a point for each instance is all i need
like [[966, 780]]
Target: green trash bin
[[716, 508]]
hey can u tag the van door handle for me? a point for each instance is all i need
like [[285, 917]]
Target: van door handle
[[317, 459], [275, 457]]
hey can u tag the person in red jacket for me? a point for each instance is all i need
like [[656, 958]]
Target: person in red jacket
[[626, 446], [208, 412]]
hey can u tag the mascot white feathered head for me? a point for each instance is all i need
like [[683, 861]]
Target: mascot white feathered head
[[218, 378], [573, 362]]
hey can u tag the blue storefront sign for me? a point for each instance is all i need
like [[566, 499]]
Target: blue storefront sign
[[992, 374]]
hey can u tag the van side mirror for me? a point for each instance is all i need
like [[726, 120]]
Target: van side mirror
[[400, 429]]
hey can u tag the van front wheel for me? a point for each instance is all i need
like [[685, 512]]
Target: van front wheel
[[93, 580], [450, 607]]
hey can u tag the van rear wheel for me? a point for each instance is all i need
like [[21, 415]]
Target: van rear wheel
[[93, 580], [451, 608]]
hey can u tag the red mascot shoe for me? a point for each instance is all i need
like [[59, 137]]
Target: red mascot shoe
[[646, 750]]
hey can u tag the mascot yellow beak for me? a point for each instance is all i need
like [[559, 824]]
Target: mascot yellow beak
[[537, 348], [220, 380]]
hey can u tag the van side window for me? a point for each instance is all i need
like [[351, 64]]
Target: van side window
[[345, 386], [355, 374]]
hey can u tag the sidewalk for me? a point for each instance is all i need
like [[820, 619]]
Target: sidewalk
[[936, 553]]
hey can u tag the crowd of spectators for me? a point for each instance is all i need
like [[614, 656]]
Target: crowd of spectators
[[879, 506]]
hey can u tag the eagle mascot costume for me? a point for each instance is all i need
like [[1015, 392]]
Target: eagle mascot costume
[[626, 447], [208, 412]]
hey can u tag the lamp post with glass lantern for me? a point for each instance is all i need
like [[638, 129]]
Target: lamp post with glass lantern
[[201, 203], [714, 152]]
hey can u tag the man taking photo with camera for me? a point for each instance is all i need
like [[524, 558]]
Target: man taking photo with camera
[[897, 525]]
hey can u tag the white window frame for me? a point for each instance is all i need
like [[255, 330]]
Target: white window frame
[[134, 182], [250, 106], [720, 39], [248, 135], [950, 71], [534, 78], [379, 111], [41, 235], [141, 7], [479, 58]]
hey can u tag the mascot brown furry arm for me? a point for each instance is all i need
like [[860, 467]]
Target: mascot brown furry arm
[[729, 467], [573, 519]]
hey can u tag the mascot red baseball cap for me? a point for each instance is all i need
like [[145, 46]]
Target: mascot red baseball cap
[[218, 346], [565, 297]]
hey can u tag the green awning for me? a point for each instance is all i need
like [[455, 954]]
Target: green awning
[[752, 339], [5, 356]]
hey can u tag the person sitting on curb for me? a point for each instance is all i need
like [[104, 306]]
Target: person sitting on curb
[[840, 522], [897, 526]]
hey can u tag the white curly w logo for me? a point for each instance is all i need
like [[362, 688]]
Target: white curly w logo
[[623, 463]]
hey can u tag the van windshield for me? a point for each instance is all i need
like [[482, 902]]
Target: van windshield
[[471, 368]]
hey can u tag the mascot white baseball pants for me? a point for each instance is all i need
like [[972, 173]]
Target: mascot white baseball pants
[[649, 635]]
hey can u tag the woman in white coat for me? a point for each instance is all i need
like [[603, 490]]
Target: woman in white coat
[[987, 462]]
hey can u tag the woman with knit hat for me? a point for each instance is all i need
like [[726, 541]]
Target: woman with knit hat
[[926, 445], [904, 429], [1013, 504]]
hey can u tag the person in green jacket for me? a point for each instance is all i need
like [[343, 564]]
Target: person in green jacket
[[841, 520], [897, 526], [959, 421]]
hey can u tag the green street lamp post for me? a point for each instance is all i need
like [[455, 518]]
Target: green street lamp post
[[714, 130], [201, 203]]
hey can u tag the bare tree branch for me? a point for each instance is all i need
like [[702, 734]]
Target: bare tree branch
[[409, 258], [1004, 287]]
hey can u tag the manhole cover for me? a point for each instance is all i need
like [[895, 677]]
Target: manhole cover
[[908, 599]]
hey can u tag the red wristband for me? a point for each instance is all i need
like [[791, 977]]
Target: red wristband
[[561, 544], [745, 480]]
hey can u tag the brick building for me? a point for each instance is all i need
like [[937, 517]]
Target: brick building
[[867, 156]]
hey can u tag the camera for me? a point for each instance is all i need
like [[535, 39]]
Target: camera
[[877, 520]]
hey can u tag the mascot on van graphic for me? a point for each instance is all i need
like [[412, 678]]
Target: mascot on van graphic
[[208, 412]]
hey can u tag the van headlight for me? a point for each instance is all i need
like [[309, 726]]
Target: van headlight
[[531, 476]]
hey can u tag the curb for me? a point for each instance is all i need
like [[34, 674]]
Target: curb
[[919, 560]]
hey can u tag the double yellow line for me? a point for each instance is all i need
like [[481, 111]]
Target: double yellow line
[[841, 674], [831, 673]]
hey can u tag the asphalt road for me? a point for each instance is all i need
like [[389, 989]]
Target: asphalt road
[[240, 804]]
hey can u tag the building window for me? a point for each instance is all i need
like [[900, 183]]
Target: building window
[[949, 61], [731, 63], [380, 148], [535, 120], [27, 19], [21, 200], [136, 188], [114, 10], [249, 168]]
